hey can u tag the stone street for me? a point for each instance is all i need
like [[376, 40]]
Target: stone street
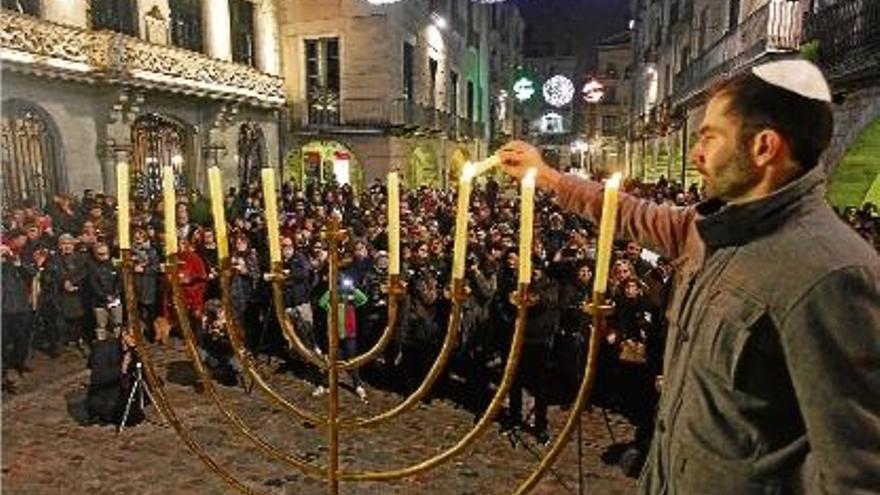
[[49, 449]]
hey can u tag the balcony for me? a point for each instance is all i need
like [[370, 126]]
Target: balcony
[[32, 45], [773, 28], [378, 115], [848, 39]]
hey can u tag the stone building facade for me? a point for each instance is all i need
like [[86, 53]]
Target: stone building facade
[[682, 47], [87, 83], [406, 86]]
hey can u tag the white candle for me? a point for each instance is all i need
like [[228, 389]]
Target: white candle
[[270, 200], [169, 203], [393, 224], [606, 233], [526, 225], [461, 221], [215, 185], [122, 206]]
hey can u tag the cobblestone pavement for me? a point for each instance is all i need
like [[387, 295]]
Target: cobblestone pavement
[[48, 448]]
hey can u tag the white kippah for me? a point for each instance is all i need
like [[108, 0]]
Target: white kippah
[[798, 76]]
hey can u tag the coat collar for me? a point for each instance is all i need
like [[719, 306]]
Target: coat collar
[[724, 225]]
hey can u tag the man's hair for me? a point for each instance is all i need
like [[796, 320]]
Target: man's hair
[[805, 124]]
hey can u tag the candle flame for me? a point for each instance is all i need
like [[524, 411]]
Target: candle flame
[[614, 181], [467, 172], [529, 178]]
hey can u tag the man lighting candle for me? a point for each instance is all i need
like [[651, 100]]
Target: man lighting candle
[[771, 380]]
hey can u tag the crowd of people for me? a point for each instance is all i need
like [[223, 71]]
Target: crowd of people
[[61, 288]]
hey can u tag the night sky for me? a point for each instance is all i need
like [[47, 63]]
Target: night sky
[[571, 27]]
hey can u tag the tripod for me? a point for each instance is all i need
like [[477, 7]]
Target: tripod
[[139, 384]]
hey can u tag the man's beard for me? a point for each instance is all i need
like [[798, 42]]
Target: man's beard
[[733, 179]]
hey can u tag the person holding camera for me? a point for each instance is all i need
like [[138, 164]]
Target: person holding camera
[[349, 299]]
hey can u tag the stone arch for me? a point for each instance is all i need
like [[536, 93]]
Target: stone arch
[[325, 160], [159, 140], [856, 177], [423, 167], [32, 153]]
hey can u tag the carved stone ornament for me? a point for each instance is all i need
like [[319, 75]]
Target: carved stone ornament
[[98, 55]]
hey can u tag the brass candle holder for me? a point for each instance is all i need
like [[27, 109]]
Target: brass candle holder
[[332, 422]]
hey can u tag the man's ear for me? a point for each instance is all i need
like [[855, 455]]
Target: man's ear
[[767, 146]]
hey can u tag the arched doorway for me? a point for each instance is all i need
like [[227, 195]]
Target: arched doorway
[[326, 161], [251, 154], [31, 156], [158, 141], [856, 179], [422, 168]]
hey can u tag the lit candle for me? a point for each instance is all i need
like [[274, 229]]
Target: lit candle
[[169, 203], [270, 199], [122, 207], [526, 225], [215, 185], [461, 221], [606, 233], [393, 224]]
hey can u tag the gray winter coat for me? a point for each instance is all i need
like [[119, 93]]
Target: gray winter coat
[[772, 365]]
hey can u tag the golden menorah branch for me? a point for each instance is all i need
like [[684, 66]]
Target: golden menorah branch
[[599, 308], [246, 360], [522, 299], [395, 288], [158, 391], [173, 273], [458, 294], [288, 328], [334, 235]]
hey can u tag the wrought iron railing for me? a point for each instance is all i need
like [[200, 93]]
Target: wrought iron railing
[[773, 28], [106, 55], [382, 113], [847, 34]]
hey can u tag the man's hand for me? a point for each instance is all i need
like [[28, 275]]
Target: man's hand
[[517, 157]]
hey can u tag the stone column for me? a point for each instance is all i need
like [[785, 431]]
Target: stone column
[[266, 34], [216, 28], [70, 12]]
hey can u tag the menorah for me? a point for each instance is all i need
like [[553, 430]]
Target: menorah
[[332, 421]]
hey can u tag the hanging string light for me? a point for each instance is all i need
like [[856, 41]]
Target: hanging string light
[[558, 91]]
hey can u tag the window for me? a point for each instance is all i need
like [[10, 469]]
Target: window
[[323, 79], [115, 15], [611, 70], [241, 18], [609, 124], [453, 92], [433, 67], [701, 34], [471, 100], [610, 97], [27, 7], [733, 14], [186, 24], [408, 56]]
